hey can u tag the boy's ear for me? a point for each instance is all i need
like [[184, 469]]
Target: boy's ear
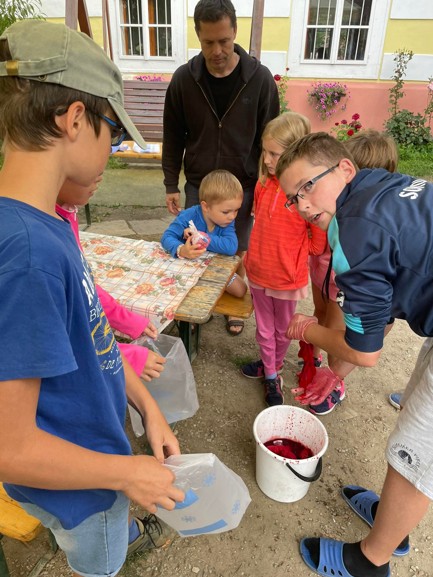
[[348, 169], [204, 206], [71, 121]]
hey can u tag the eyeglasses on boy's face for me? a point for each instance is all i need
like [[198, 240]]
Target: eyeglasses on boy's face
[[307, 187], [118, 132]]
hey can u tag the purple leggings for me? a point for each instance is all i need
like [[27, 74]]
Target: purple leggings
[[272, 319]]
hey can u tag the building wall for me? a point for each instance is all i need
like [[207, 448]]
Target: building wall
[[409, 27], [368, 99]]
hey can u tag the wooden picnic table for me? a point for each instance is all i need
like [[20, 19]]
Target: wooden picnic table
[[197, 306], [146, 279]]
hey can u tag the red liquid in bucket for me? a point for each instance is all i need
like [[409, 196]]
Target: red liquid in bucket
[[288, 448]]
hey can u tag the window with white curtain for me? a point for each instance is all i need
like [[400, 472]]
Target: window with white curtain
[[337, 30], [337, 38], [146, 28]]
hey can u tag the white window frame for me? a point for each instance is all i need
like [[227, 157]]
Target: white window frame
[[368, 68], [141, 64]]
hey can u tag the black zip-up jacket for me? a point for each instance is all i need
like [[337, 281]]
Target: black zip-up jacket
[[194, 133]]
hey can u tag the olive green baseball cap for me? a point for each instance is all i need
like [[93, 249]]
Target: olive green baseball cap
[[53, 53]]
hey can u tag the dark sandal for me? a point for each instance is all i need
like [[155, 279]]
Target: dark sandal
[[362, 504], [235, 323], [331, 562]]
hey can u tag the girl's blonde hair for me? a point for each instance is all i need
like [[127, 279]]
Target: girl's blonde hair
[[284, 129]]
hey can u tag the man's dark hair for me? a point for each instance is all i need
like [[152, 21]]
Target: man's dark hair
[[214, 11]]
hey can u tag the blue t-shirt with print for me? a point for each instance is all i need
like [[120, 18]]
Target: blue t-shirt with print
[[53, 327]]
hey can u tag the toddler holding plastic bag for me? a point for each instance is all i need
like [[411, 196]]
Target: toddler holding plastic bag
[[209, 225]]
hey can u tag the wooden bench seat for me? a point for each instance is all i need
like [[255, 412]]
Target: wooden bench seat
[[234, 306]]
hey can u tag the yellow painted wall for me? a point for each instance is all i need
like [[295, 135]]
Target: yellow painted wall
[[275, 34], [415, 35], [95, 26]]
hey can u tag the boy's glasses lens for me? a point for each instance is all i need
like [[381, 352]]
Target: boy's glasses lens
[[290, 202], [118, 132]]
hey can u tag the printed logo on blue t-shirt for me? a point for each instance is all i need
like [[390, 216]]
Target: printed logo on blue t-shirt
[[103, 337]]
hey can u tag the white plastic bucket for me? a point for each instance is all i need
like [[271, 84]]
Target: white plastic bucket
[[283, 479]]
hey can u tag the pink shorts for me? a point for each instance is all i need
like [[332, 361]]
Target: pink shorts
[[318, 269]]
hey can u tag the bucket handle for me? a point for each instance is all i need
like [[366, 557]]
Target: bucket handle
[[315, 476]]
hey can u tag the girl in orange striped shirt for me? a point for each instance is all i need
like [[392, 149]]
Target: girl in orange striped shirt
[[277, 258]]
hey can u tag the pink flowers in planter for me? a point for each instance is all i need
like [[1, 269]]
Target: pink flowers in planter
[[325, 97]]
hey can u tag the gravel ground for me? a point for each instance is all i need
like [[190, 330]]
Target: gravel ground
[[267, 540]]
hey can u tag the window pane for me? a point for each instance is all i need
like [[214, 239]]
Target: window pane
[[162, 12], [132, 41], [318, 43], [159, 11], [321, 12], [159, 27], [130, 11], [160, 41], [352, 44], [356, 12]]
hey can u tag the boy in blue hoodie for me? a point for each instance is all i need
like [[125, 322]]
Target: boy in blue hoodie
[[380, 231]]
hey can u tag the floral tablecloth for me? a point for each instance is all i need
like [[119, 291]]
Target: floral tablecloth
[[141, 275]]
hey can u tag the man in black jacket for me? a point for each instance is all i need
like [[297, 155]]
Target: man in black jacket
[[215, 110]]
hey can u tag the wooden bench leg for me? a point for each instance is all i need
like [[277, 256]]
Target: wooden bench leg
[[88, 215], [190, 338], [4, 571], [40, 565]]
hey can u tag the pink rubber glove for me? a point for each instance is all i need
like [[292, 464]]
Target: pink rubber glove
[[323, 383], [298, 325]]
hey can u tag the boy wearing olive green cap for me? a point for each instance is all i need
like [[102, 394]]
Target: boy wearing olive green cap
[[64, 454]]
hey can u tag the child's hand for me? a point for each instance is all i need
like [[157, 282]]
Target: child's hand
[[323, 383], [189, 250], [187, 233], [151, 331], [298, 325], [154, 366]]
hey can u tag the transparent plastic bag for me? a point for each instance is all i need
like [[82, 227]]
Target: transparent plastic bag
[[216, 497], [174, 390]]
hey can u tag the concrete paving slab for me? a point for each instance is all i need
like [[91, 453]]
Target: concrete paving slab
[[111, 227], [149, 226]]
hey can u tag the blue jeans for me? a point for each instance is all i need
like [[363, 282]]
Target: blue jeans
[[96, 547]]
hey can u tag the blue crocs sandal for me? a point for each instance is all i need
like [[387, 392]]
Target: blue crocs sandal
[[362, 504], [331, 562]]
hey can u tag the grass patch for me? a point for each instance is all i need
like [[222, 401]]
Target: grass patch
[[417, 161], [239, 362], [115, 162]]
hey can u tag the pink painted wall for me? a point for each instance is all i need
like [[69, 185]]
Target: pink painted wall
[[369, 99]]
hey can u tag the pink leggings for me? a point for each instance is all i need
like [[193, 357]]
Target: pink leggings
[[272, 319]]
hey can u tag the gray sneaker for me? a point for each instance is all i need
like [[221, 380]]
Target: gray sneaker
[[154, 534]]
